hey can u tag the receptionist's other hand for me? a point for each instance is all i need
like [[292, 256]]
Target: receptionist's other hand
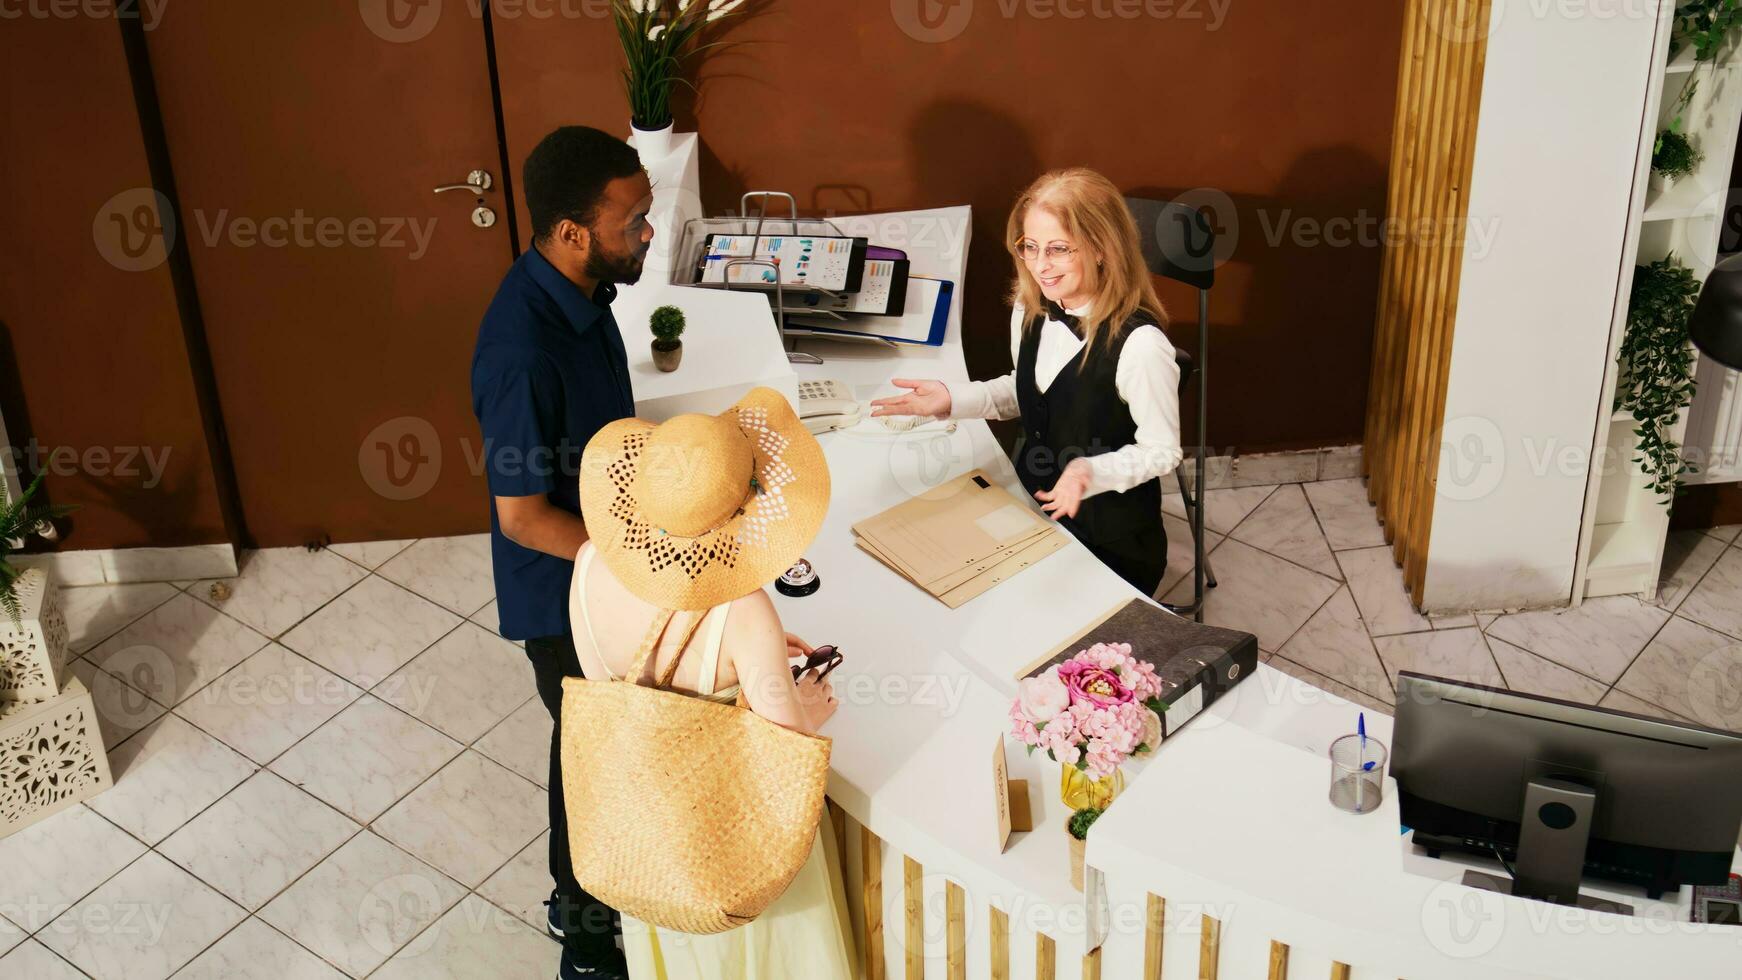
[[923, 398], [1067, 494]]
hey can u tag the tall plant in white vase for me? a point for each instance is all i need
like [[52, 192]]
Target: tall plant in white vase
[[657, 37], [33, 633]]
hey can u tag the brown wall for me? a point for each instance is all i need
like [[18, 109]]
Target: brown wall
[[1284, 107], [93, 362]]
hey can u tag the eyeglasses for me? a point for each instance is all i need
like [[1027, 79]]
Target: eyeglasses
[[823, 659], [1029, 250]]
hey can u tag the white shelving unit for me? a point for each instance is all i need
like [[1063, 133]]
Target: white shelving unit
[[1625, 522]]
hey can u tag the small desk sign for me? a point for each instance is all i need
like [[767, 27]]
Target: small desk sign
[[1013, 813]]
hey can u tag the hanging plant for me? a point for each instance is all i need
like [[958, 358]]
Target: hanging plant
[[1657, 367], [19, 520], [656, 36], [1706, 24]]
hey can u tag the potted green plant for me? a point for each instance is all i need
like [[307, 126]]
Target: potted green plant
[[657, 36], [1673, 157], [33, 633], [1657, 367], [1078, 829], [667, 324]]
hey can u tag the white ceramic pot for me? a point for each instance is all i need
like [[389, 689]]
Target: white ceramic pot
[[652, 144]]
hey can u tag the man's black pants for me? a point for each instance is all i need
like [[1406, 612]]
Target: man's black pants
[[589, 926]]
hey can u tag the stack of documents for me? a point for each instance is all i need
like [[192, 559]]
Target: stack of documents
[[959, 539]]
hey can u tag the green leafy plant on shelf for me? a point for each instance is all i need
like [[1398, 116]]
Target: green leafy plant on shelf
[[1674, 155], [667, 323], [1710, 26], [1082, 820], [19, 519], [1657, 367], [657, 36]]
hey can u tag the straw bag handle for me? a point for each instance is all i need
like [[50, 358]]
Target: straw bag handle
[[650, 642]]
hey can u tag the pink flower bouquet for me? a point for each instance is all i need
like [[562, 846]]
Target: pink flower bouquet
[[1093, 711]]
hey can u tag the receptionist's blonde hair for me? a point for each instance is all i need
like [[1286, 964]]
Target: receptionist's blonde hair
[[1101, 228]]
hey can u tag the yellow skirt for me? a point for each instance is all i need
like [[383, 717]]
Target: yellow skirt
[[804, 935]]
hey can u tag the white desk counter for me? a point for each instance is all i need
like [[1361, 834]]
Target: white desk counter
[[1229, 818]]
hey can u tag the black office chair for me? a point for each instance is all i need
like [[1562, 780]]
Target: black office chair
[[1180, 244]]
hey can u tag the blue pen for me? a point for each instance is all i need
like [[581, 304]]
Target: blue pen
[[1361, 729]]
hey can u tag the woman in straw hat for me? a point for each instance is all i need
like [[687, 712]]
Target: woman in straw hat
[[700, 513]]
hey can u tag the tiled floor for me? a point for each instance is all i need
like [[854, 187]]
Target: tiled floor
[[338, 769]]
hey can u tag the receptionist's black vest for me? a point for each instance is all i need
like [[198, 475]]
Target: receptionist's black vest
[[1081, 414]]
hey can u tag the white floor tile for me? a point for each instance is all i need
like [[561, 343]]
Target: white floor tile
[[143, 924], [1727, 533], [1693, 671], [1687, 557], [1223, 509], [1259, 593], [1331, 685], [370, 631], [50, 865], [10, 936], [1622, 701], [278, 587], [268, 702], [166, 774], [35, 961], [475, 939], [371, 554], [1181, 553], [96, 612], [522, 742], [176, 649], [464, 684], [362, 904], [1339, 463], [258, 839], [468, 820], [523, 884], [121, 709], [256, 951], [1284, 526], [1377, 585], [1334, 642], [1599, 638], [1459, 654], [1348, 519], [1530, 674], [1717, 600], [452, 571], [366, 758], [1260, 469]]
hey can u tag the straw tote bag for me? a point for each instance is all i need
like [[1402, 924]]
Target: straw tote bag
[[688, 814]]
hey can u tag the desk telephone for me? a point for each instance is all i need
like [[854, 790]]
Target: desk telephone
[[827, 405]]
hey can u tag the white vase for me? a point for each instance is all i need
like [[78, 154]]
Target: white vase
[[652, 144]]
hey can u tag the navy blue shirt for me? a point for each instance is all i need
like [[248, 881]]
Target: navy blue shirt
[[549, 371]]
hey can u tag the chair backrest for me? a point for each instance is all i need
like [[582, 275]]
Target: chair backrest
[[1178, 240]]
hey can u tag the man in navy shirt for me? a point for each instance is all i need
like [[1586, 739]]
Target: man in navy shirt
[[548, 372]]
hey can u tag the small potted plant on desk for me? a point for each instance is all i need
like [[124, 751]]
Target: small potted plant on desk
[[1078, 827], [667, 325]]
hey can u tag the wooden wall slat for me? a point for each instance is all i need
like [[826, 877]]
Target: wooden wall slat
[[956, 931], [1339, 971], [913, 904], [1000, 922], [1439, 89], [1092, 965], [1209, 947], [1046, 957], [1154, 930], [871, 889], [1278, 960]]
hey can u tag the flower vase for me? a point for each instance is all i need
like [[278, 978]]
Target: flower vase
[[1081, 792], [651, 144]]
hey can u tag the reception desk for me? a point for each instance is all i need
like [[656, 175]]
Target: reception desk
[[1222, 857]]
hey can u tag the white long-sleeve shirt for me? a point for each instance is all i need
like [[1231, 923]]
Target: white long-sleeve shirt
[[1147, 378]]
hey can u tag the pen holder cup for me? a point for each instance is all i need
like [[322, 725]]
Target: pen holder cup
[[1357, 773]]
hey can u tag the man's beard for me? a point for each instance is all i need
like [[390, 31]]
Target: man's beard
[[619, 267]]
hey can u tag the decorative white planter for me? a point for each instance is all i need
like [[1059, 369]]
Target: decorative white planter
[[33, 653], [51, 756], [651, 144]]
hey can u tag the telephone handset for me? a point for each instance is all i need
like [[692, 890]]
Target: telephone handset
[[826, 405]]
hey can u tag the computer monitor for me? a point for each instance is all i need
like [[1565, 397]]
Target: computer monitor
[[1564, 790]]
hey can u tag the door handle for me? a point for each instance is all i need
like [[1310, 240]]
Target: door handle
[[478, 181]]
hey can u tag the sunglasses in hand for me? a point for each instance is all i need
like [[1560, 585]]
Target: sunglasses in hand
[[823, 659]]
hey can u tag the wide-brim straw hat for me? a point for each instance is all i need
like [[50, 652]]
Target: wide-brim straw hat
[[703, 509]]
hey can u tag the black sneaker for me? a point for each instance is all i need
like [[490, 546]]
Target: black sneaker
[[573, 967], [553, 922]]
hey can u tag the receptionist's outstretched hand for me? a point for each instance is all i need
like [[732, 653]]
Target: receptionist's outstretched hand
[[1067, 494], [923, 398]]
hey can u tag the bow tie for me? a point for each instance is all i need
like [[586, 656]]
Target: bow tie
[[1057, 312]]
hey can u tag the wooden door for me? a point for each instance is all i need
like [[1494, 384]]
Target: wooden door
[[341, 294]]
